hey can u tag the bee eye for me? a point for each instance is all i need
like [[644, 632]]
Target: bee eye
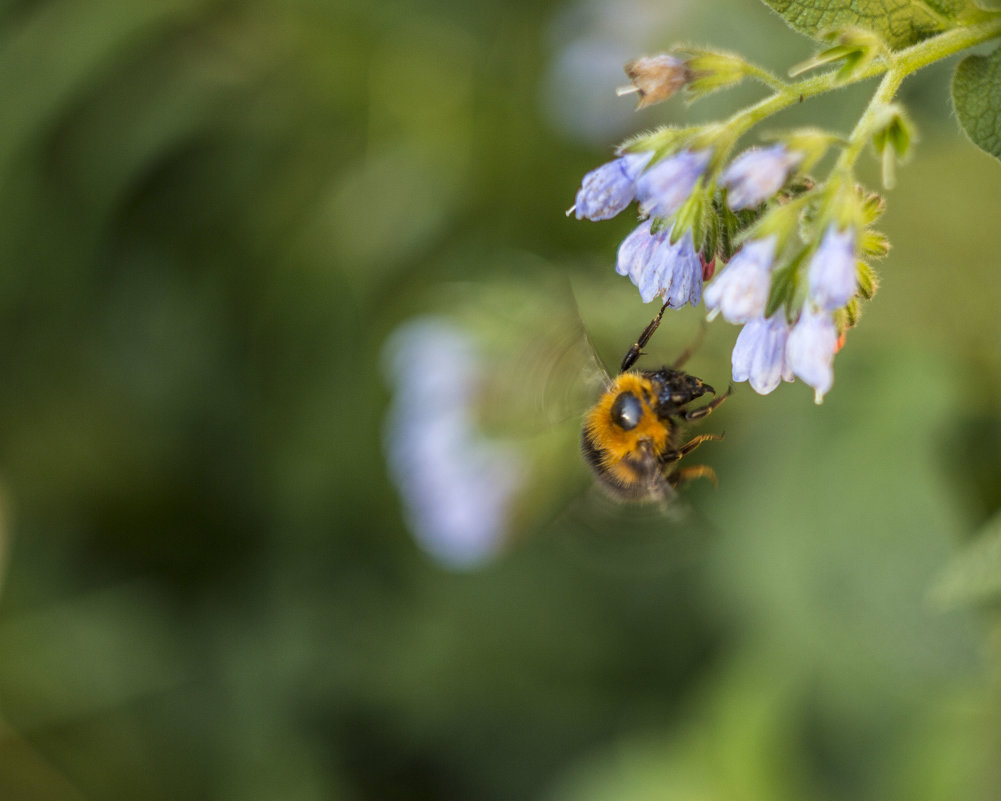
[[626, 411]]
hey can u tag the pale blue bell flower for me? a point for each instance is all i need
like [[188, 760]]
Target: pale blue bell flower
[[660, 269], [759, 353], [610, 188], [810, 350], [664, 188], [757, 174], [740, 291], [832, 275]]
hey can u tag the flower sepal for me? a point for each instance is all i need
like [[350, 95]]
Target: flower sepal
[[857, 48], [868, 282], [662, 142], [893, 135], [811, 143], [781, 222], [712, 70], [784, 285], [872, 207], [844, 207], [874, 244], [693, 216]]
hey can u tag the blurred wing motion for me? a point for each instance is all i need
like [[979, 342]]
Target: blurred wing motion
[[542, 369]]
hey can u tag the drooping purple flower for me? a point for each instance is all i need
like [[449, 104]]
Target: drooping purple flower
[[607, 190], [810, 350], [740, 292], [660, 269], [664, 187], [832, 274], [757, 174], [759, 353]]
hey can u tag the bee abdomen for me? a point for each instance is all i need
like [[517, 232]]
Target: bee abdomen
[[631, 478]]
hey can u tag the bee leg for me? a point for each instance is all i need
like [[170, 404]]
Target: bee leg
[[686, 474], [672, 456], [694, 442], [697, 414]]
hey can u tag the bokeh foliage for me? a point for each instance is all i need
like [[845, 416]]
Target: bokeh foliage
[[213, 213]]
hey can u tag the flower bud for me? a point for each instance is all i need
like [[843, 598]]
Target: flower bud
[[712, 70], [655, 78], [893, 135]]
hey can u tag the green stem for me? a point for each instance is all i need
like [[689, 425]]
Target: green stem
[[884, 94], [899, 66], [766, 77]]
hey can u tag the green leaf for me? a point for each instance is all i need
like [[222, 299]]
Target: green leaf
[[973, 576], [899, 22], [976, 96]]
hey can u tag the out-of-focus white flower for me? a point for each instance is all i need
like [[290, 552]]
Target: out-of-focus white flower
[[457, 486]]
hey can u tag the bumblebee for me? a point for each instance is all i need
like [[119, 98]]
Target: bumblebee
[[632, 437]]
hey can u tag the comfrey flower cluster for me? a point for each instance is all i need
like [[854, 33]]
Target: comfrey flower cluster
[[660, 260], [792, 251], [768, 349]]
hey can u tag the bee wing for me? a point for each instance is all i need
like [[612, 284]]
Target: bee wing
[[543, 368], [610, 535], [568, 371]]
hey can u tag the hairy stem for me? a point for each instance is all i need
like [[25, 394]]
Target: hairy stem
[[899, 65]]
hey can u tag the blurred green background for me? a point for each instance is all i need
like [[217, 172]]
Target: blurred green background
[[213, 216]]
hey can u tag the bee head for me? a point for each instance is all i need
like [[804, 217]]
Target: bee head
[[626, 411]]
